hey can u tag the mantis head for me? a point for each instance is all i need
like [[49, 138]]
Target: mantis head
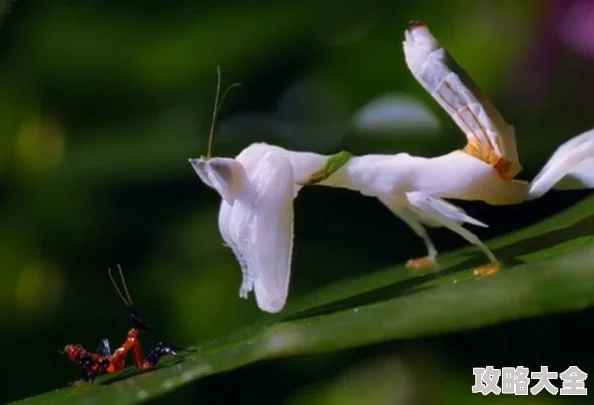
[[227, 176]]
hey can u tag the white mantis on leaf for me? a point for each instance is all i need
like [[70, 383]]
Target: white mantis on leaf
[[258, 185]]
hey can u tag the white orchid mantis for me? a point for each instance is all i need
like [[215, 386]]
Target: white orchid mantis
[[258, 185]]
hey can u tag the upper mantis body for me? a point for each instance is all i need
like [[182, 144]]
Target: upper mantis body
[[258, 185]]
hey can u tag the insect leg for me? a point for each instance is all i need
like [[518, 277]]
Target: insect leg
[[445, 214], [412, 220], [139, 360], [86, 368], [118, 358], [160, 350]]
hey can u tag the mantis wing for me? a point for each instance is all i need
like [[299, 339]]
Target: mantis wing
[[490, 137], [104, 348]]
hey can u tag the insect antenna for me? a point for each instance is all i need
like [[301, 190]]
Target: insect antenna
[[137, 321], [216, 109]]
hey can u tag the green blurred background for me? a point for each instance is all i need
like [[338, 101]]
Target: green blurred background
[[102, 104]]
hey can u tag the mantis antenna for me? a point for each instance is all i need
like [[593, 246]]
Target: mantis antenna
[[216, 109], [126, 298]]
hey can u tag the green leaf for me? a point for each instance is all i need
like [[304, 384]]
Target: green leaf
[[333, 163], [547, 269]]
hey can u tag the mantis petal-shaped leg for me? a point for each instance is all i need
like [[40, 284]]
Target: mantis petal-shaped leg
[[256, 219], [581, 177], [258, 226], [411, 218], [443, 207], [441, 212], [272, 231], [570, 167]]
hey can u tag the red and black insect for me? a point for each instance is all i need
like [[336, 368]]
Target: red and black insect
[[105, 361]]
